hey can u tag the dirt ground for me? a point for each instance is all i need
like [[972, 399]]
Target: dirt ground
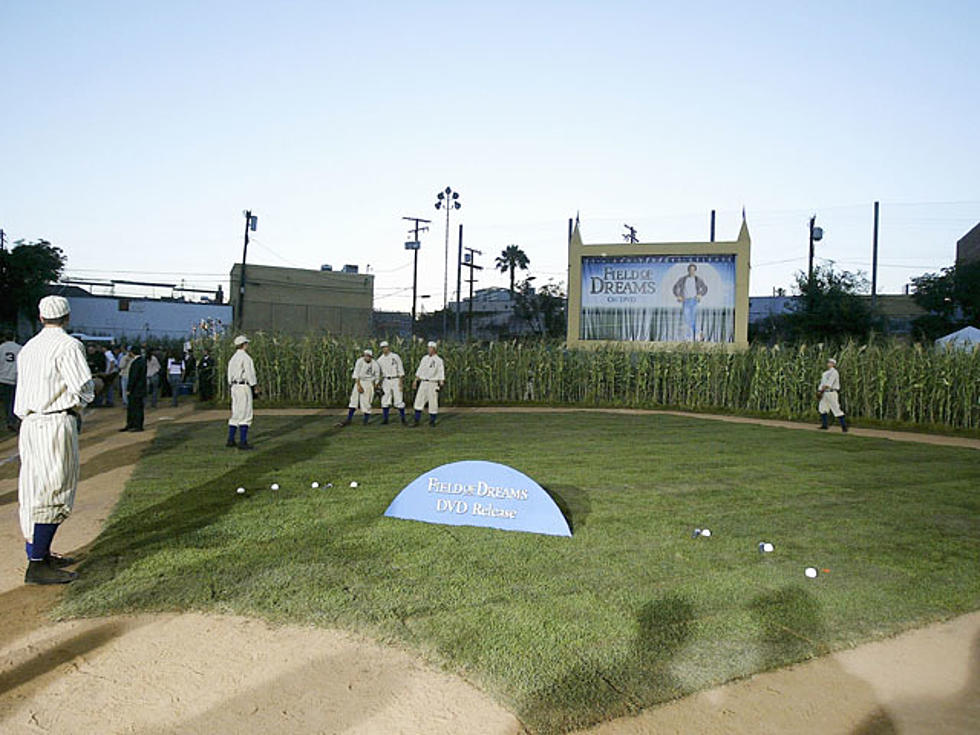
[[194, 673]]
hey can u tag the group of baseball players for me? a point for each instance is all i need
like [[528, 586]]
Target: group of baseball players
[[54, 383], [382, 376]]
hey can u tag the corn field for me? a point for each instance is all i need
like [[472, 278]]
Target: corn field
[[885, 381]]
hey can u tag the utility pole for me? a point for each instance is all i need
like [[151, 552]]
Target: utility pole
[[468, 263], [459, 276], [251, 223], [874, 262], [630, 236], [415, 244]]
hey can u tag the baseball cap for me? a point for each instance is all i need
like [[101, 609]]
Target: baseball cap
[[53, 307], [383, 344], [240, 340], [432, 344], [368, 352]]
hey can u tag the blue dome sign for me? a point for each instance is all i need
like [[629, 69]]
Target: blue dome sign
[[477, 493]]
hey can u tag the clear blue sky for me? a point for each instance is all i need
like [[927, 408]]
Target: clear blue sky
[[134, 134]]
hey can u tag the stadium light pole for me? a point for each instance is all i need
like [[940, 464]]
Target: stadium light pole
[[448, 200]]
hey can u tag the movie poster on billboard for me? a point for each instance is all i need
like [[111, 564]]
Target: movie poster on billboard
[[658, 298]]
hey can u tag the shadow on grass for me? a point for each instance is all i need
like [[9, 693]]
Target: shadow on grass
[[791, 629], [573, 502], [185, 513], [600, 689]]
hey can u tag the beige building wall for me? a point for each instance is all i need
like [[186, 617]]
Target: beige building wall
[[299, 301], [740, 248], [968, 247]]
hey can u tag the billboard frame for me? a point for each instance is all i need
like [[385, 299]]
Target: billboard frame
[[740, 248]]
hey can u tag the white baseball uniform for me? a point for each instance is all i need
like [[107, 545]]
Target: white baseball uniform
[[367, 373], [392, 371], [53, 378], [8, 362], [431, 372], [241, 378], [830, 385]]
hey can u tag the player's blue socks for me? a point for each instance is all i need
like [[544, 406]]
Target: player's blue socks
[[418, 416], [231, 433], [367, 417], [401, 412], [41, 547], [432, 419], [244, 430], [384, 414], [350, 413]]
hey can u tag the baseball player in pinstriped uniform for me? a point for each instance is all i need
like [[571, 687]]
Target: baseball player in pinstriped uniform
[[429, 378], [828, 392], [241, 381], [54, 383], [392, 372], [366, 374]]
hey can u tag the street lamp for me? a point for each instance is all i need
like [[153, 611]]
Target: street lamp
[[816, 235], [251, 223], [448, 200]]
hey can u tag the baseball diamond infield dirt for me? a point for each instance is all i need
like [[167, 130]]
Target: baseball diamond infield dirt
[[194, 673]]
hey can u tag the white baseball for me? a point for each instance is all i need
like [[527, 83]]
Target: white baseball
[[329, 484], [705, 532], [274, 486], [353, 484], [810, 572], [240, 491], [314, 485], [767, 546]]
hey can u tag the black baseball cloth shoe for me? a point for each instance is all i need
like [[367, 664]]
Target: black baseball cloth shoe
[[60, 561], [230, 444], [44, 572], [245, 445]]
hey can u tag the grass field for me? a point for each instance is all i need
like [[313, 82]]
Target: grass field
[[629, 612]]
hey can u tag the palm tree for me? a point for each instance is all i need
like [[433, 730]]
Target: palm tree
[[510, 259]]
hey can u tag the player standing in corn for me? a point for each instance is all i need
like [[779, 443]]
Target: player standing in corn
[[429, 378], [392, 372], [54, 384], [366, 374], [241, 381], [829, 391]]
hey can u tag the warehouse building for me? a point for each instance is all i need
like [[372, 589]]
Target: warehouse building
[[300, 301]]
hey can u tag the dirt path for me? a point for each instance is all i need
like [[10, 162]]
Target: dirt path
[[197, 673]]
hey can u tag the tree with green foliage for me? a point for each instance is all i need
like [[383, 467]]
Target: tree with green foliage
[[951, 298], [25, 271], [543, 309], [510, 259], [829, 308]]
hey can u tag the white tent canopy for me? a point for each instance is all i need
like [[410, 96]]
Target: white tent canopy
[[964, 339]]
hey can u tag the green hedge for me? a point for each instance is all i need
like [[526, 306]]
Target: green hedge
[[885, 381]]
